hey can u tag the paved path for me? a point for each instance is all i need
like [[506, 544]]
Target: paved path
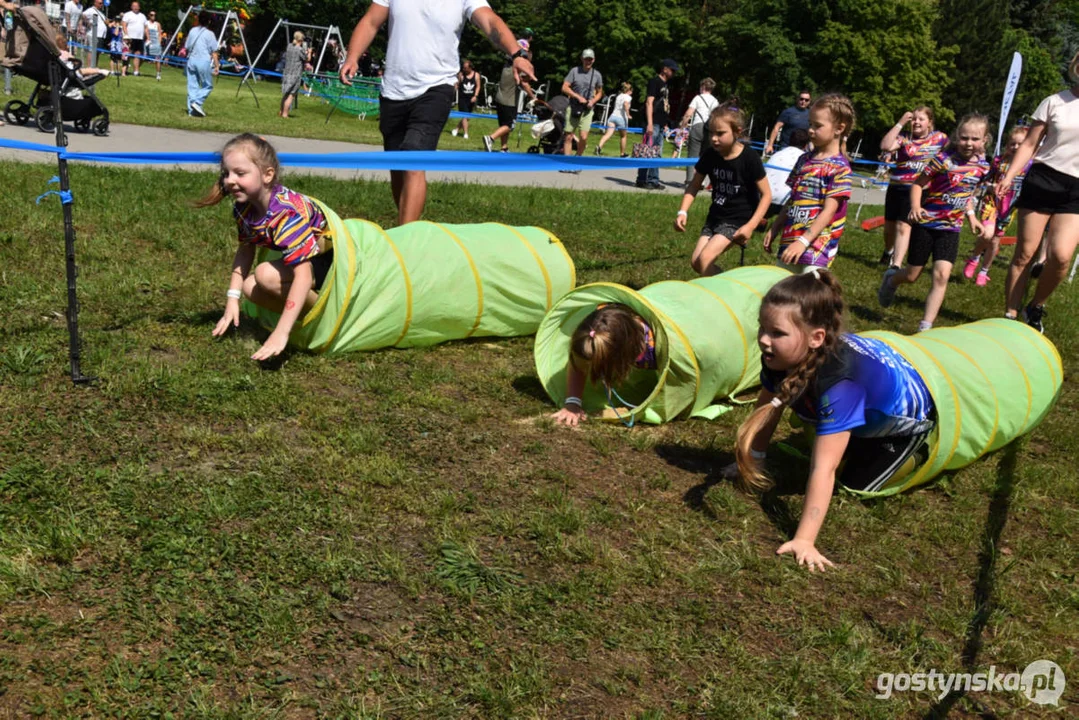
[[138, 138]]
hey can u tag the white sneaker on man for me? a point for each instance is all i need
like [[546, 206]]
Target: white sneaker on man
[[453, 132]]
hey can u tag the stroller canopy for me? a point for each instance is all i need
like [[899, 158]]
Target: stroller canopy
[[31, 23]]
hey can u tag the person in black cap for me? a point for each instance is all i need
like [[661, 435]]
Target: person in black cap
[[657, 118]]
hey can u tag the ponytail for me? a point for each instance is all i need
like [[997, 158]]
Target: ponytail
[[817, 299]]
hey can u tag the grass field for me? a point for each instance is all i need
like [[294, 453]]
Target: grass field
[[144, 101], [395, 534]]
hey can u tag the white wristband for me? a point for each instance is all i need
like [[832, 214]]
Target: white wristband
[[804, 241], [683, 212], [571, 400], [234, 294], [758, 454]]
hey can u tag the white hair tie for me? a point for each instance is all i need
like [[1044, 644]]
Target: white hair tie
[[815, 273], [776, 402]]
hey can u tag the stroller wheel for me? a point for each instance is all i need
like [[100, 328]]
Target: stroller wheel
[[533, 150], [17, 112], [82, 125], [46, 119], [101, 127]]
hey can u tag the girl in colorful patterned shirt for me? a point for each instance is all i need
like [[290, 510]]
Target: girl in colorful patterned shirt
[[270, 215], [605, 348], [913, 151], [869, 407], [940, 198], [810, 224], [985, 249]]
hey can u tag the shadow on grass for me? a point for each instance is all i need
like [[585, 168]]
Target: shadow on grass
[[530, 386], [985, 584], [586, 265]]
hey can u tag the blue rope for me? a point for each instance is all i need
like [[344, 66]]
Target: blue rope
[[65, 195]]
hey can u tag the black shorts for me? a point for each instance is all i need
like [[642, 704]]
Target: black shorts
[[465, 104], [136, 45], [320, 268], [1047, 190], [415, 124], [868, 463], [897, 203], [507, 116], [943, 245], [720, 226]]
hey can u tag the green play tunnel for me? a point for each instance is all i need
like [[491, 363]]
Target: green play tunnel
[[706, 343], [991, 381], [424, 283]]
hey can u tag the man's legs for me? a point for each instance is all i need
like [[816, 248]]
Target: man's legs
[[409, 193], [414, 124]]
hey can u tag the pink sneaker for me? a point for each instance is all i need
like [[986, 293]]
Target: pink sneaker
[[970, 268], [983, 279]]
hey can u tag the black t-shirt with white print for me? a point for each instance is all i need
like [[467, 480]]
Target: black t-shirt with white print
[[735, 195]]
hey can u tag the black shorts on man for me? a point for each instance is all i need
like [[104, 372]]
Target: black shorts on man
[[507, 116], [415, 124], [1049, 191], [943, 245], [897, 203], [136, 45]]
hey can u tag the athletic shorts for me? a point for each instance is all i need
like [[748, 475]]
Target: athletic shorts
[[617, 122], [897, 203], [507, 115], [1047, 190], [868, 463], [136, 45], [943, 245], [415, 124], [320, 268], [465, 104], [717, 226]]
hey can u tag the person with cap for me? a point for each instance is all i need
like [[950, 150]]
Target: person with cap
[[657, 118], [584, 87], [422, 59]]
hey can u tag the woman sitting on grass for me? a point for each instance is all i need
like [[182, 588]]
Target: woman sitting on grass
[[870, 408], [272, 216]]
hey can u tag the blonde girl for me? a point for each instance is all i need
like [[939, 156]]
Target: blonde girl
[[269, 215], [986, 248], [740, 191], [811, 223], [604, 349], [618, 120]]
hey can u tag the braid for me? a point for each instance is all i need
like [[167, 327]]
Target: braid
[[842, 111], [817, 299]]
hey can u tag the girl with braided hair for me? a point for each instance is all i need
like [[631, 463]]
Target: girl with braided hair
[[870, 408]]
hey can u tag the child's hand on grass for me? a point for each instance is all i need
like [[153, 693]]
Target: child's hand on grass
[[231, 317], [571, 416], [272, 347], [806, 554]]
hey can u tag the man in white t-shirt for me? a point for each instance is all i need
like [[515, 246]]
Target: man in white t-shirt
[[422, 60], [72, 16], [135, 33], [779, 166]]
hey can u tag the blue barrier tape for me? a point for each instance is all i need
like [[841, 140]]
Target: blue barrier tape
[[65, 195]]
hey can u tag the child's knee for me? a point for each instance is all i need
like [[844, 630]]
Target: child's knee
[[941, 275], [267, 277]]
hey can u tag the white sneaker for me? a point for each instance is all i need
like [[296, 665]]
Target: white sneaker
[[159, 78], [466, 136], [453, 132], [197, 110], [136, 73]]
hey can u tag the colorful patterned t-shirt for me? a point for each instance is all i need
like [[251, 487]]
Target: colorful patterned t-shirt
[[292, 224], [950, 192], [812, 181], [914, 154], [1004, 206]]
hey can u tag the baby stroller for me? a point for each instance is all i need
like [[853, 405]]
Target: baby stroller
[[550, 129], [31, 48]]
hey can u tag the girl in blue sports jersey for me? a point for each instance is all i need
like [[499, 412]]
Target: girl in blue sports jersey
[[871, 410]]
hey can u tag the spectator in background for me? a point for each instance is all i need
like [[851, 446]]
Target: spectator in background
[[421, 64], [793, 118], [97, 30], [295, 57], [779, 169], [134, 23], [468, 93], [154, 40], [9, 24], [506, 105], [584, 87], [202, 63], [696, 118], [72, 16], [657, 118]]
